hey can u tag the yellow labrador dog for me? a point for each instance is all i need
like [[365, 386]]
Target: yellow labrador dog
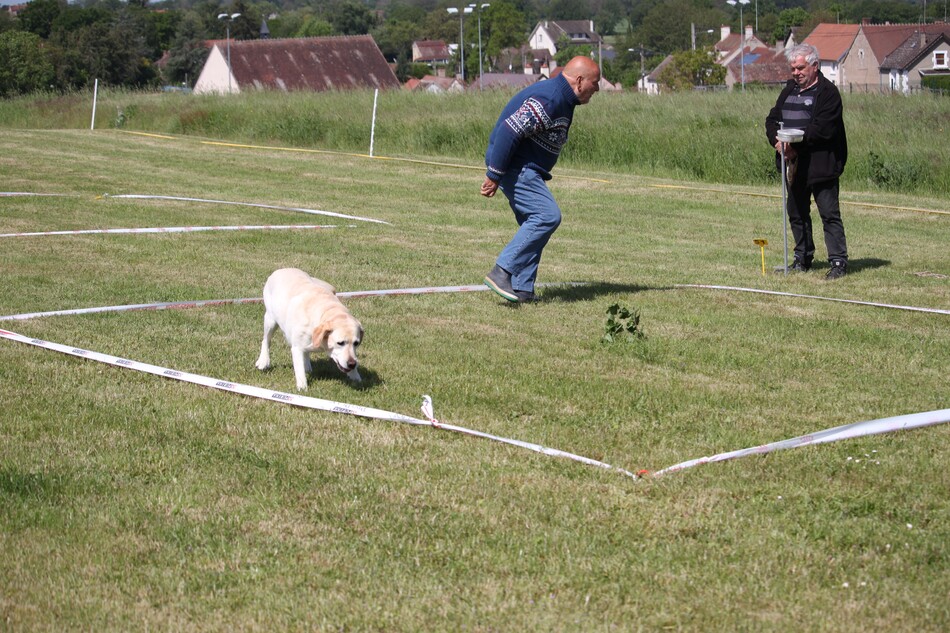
[[311, 317]]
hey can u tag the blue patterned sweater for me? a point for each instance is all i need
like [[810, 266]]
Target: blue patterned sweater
[[532, 129]]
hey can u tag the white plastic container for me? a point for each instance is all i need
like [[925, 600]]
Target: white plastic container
[[790, 135]]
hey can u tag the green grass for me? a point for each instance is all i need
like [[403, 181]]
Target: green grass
[[132, 502], [895, 141]]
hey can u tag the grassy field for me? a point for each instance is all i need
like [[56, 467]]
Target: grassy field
[[717, 138], [133, 502]]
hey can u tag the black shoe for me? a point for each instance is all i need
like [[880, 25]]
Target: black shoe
[[499, 280], [525, 296], [839, 268], [800, 265]]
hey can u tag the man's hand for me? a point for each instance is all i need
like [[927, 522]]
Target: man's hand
[[790, 153], [489, 187]]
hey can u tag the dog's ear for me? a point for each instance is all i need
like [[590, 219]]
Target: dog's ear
[[321, 334], [361, 332]]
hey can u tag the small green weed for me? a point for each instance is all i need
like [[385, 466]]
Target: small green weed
[[622, 323]]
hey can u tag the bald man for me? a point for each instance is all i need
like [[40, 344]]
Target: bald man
[[522, 150]]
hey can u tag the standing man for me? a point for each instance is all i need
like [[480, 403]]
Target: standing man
[[812, 103], [522, 150]]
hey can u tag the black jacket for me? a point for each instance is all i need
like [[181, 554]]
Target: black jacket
[[823, 152]]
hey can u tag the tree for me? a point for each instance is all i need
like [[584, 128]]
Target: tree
[[314, 27], [285, 24], [351, 18], [881, 11], [395, 38], [567, 51], [6, 22], [188, 53], [24, 66], [667, 26], [688, 69], [247, 26], [38, 16], [787, 19], [611, 14], [116, 53], [570, 10], [503, 26], [403, 67]]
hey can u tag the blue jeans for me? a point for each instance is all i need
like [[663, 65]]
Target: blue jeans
[[538, 216]]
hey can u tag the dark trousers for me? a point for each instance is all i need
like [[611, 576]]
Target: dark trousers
[[799, 218]]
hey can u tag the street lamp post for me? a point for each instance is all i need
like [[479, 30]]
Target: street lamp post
[[462, 12], [642, 51], [479, 9], [692, 32], [229, 18], [742, 46]]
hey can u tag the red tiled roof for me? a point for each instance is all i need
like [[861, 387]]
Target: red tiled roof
[[514, 81], [833, 41], [311, 63], [915, 46], [729, 43], [582, 28], [432, 50], [762, 65], [885, 38]]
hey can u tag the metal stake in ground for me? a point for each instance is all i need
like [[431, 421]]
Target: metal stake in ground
[[790, 135]]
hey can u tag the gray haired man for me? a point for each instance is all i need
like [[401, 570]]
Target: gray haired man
[[812, 103]]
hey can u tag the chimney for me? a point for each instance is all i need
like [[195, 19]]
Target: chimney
[[748, 33], [724, 32]]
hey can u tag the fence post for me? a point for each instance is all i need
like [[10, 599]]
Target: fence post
[[372, 129], [95, 96]]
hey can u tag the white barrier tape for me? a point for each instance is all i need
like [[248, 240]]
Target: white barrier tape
[[175, 229], [172, 305], [300, 401], [135, 196], [177, 305], [248, 390], [10, 194], [789, 294], [847, 431], [211, 302]]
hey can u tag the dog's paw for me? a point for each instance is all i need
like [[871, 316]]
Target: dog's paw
[[262, 363]]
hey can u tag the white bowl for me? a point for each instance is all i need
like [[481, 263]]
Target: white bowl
[[790, 135]]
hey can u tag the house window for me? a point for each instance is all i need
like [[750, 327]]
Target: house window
[[940, 59], [861, 61]]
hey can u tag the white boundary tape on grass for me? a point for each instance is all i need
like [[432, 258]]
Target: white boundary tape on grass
[[175, 229], [845, 432], [138, 196], [790, 294], [849, 431], [302, 401], [177, 305], [11, 194]]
